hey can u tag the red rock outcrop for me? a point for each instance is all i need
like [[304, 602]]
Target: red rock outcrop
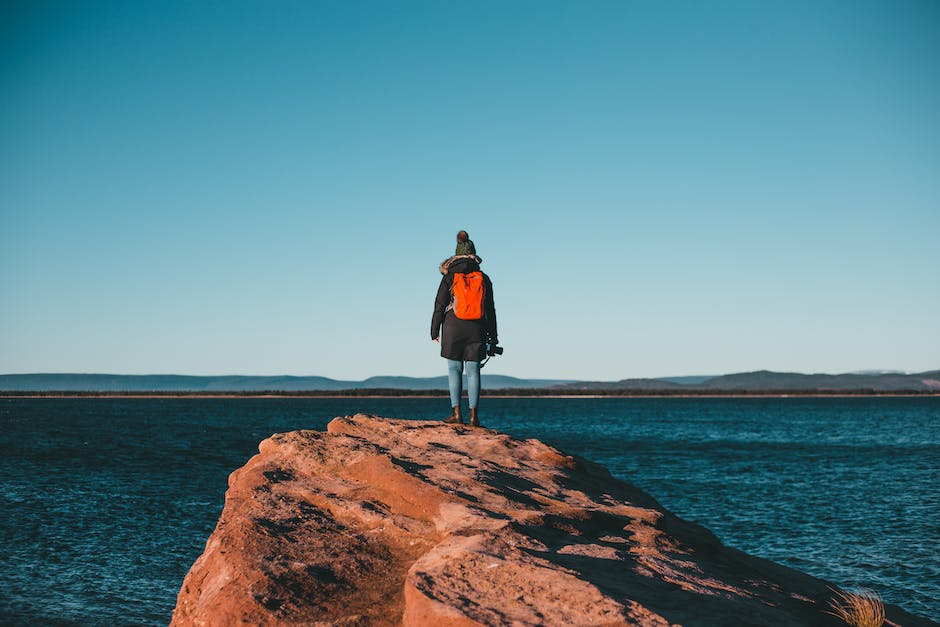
[[397, 522]]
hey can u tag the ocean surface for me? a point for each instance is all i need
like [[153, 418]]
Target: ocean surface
[[106, 503]]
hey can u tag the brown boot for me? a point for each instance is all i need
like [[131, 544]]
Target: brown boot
[[455, 418], [474, 419]]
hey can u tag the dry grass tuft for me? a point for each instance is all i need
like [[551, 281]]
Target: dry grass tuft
[[863, 608]]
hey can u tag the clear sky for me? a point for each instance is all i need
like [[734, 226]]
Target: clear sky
[[656, 187]]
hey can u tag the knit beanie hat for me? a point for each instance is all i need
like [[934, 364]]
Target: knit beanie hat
[[465, 248], [464, 244]]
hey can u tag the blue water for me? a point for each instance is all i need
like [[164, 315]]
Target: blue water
[[106, 503]]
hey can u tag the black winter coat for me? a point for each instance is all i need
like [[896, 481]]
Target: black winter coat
[[462, 340]]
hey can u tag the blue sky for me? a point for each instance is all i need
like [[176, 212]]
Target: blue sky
[[656, 188]]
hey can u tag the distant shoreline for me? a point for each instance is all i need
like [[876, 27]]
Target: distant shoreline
[[334, 394]]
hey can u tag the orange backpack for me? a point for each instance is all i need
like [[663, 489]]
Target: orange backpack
[[468, 291]]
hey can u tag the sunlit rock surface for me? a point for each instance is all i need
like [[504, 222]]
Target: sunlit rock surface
[[397, 522]]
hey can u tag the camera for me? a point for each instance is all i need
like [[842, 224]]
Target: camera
[[491, 347]]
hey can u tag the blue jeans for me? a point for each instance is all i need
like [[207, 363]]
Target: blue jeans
[[455, 381]]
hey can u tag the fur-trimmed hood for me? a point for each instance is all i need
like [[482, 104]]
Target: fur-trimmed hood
[[445, 265]]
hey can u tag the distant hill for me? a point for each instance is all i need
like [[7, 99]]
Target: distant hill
[[68, 382], [765, 380], [688, 379], [762, 380]]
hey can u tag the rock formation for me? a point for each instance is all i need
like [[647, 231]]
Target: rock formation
[[397, 522]]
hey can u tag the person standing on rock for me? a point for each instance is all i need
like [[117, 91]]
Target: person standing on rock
[[464, 321]]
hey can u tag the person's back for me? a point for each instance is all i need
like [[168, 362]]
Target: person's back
[[463, 340]]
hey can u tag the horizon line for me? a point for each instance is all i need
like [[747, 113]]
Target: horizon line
[[863, 372]]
